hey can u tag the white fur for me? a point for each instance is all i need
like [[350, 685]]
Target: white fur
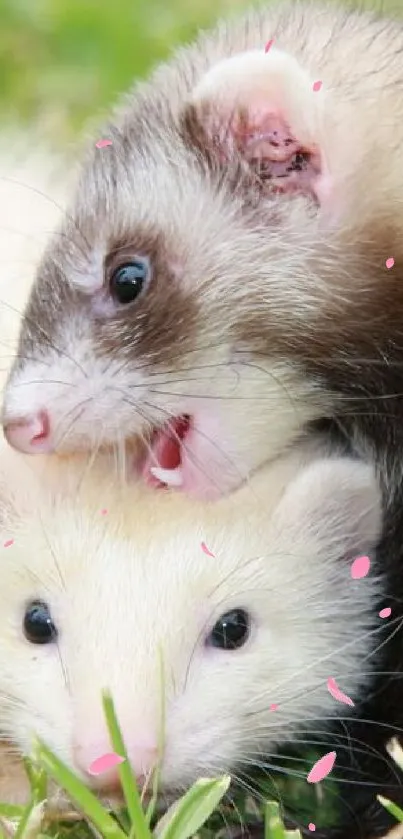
[[89, 276], [130, 584]]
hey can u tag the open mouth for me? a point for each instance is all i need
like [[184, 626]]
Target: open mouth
[[163, 466]]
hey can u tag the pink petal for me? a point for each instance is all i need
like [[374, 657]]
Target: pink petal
[[102, 143], [269, 45], [105, 763], [337, 693], [385, 613], [360, 567], [317, 86], [103, 512], [8, 543], [321, 768], [311, 826], [390, 262], [273, 708], [206, 550]]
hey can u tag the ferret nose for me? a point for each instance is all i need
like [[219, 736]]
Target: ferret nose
[[30, 435], [142, 756]]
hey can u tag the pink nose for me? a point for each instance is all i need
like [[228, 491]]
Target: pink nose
[[143, 759], [30, 435]]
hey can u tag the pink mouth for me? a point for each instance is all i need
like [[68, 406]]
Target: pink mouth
[[163, 466]]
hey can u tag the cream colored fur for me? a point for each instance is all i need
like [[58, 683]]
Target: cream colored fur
[[130, 584]]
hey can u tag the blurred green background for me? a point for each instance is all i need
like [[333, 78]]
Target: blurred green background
[[62, 61]]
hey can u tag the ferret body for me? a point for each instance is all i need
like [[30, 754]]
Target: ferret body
[[126, 583]]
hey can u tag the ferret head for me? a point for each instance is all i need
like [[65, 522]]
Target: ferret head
[[240, 605], [211, 248]]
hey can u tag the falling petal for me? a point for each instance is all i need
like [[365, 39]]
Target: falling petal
[[360, 567], [105, 763], [205, 549], [321, 768], [338, 694]]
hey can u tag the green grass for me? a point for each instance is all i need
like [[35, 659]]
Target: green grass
[[192, 815]]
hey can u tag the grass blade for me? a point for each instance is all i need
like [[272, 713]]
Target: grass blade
[[87, 803], [273, 825], [139, 826], [37, 780], [395, 750], [392, 808], [188, 815], [161, 741], [31, 822], [11, 811]]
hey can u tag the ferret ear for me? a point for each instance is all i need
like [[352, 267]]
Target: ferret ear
[[264, 109], [338, 502]]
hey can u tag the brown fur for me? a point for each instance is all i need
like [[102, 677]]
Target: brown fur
[[339, 291]]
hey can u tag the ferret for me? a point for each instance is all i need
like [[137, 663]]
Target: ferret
[[225, 619], [219, 280], [219, 283]]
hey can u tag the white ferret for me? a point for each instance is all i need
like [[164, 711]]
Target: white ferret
[[100, 579]]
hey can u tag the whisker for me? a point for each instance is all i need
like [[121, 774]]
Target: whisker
[[244, 478], [368, 634], [44, 381], [61, 209], [77, 411], [45, 335], [182, 443]]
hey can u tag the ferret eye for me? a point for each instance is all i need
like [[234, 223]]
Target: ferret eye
[[231, 631], [128, 281], [38, 624]]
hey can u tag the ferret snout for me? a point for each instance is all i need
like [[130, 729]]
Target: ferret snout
[[142, 754], [31, 434]]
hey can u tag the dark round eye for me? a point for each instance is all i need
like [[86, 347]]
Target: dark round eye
[[231, 630], [128, 281], [38, 624]]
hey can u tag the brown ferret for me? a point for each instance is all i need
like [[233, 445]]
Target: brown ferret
[[220, 281], [224, 258]]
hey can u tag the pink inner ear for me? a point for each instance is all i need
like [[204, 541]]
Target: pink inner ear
[[269, 146]]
